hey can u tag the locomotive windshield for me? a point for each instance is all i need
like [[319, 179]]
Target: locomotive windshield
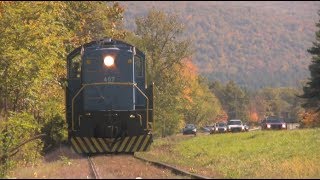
[[74, 69], [106, 65], [138, 66]]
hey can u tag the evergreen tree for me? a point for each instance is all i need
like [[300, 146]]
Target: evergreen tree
[[312, 88]]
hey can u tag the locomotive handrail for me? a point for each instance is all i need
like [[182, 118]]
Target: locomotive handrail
[[111, 83], [147, 124]]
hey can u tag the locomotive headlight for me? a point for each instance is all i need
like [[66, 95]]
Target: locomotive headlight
[[108, 61], [132, 116]]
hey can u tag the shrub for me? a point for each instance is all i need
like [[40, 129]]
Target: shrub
[[17, 128]]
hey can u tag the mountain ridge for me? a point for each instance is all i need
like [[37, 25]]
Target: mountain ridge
[[255, 44]]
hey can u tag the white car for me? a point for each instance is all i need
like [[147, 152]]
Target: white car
[[235, 125], [220, 127]]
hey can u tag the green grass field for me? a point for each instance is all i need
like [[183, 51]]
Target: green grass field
[[256, 154]]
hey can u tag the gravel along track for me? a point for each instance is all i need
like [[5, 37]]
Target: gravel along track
[[128, 167]]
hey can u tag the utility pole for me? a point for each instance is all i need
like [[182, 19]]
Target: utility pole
[[235, 105]]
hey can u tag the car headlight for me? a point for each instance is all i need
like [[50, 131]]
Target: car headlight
[[242, 127], [268, 126], [194, 130], [225, 128], [283, 125]]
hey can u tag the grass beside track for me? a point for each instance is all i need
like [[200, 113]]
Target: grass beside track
[[255, 154]]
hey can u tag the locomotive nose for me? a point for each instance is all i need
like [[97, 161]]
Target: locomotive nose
[[108, 100]]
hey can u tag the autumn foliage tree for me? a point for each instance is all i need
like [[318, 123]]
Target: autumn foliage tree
[[234, 99], [35, 38], [201, 106], [179, 95]]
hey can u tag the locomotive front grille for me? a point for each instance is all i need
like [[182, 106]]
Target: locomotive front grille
[[110, 145]]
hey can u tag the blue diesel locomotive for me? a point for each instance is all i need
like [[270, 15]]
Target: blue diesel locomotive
[[109, 106]]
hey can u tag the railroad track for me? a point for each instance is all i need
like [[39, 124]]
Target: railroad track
[[173, 169], [93, 168]]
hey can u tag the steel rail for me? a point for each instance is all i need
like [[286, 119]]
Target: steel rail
[[93, 168], [173, 169]]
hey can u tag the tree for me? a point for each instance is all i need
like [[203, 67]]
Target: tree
[[311, 91], [89, 21], [180, 96], [234, 100], [161, 36], [35, 38], [281, 102], [201, 106]]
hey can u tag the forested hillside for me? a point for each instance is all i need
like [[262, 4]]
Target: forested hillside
[[256, 44]]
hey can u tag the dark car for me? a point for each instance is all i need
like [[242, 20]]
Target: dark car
[[273, 122], [207, 129], [189, 129], [220, 127]]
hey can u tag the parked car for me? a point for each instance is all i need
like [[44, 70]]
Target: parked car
[[220, 127], [189, 129], [273, 122], [235, 125], [208, 128]]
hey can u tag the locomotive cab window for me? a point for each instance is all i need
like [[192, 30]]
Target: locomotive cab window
[[75, 67], [138, 66]]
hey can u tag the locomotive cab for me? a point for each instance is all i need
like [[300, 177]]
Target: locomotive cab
[[109, 107]]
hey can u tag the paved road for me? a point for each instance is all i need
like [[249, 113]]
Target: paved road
[[255, 129]]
